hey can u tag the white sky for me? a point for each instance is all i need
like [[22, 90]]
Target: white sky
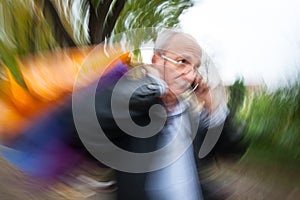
[[258, 39]]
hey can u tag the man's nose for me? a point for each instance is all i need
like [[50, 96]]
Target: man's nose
[[186, 71], [189, 75]]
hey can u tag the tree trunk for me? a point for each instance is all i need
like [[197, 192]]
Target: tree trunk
[[61, 34], [98, 27]]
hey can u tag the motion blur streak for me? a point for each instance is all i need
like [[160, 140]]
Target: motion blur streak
[[49, 78]]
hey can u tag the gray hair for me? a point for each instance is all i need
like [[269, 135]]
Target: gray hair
[[178, 42], [163, 39]]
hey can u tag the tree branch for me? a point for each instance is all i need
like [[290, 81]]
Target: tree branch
[[96, 22], [62, 35], [111, 20]]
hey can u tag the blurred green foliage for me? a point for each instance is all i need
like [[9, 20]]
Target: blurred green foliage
[[144, 13], [237, 94], [157, 14], [272, 119], [36, 25], [23, 30]]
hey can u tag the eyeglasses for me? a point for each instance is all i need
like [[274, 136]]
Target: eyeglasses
[[183, 61], [179, 62]]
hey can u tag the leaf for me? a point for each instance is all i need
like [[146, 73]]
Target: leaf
[[8, 58]]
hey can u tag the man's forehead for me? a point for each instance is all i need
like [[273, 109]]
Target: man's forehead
[[184, 45], [179, 44]]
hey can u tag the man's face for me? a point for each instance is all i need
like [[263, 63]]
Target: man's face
[[177, 66]]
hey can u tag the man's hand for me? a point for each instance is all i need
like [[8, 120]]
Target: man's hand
[[203, 92]]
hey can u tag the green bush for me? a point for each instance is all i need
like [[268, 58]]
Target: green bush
[[272, 120]]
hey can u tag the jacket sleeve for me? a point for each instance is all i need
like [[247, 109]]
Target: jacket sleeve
[[129, 101]]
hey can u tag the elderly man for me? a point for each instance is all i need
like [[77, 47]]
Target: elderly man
[[153, 113], [172, 81]]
